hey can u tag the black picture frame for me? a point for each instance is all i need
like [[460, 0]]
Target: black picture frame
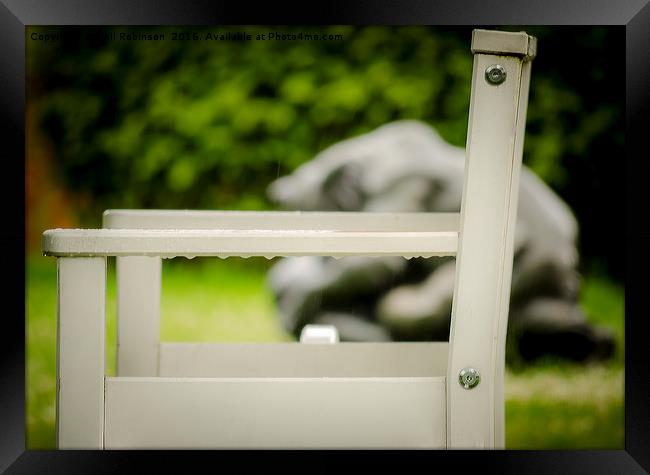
[[16, 14]]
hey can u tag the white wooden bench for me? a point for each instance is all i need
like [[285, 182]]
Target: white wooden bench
[[293, 395]]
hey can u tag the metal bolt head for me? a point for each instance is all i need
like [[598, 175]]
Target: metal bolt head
[[469, 378], [495, 74]]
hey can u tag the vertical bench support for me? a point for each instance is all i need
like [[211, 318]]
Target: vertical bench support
[[485, 255], [81, 352], [138, 315]]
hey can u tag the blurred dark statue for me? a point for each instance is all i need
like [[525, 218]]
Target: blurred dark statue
[[406, 166]]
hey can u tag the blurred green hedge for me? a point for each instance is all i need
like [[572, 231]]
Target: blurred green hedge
[[209, 124]]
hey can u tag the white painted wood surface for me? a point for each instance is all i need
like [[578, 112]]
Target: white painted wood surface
[[485, 254], [518, 44], [197, 413], [296, 360], [138, 315], [81, 353], [279, 220], [227, 242]]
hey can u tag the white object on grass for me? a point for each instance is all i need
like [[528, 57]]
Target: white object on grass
[[319, 334]]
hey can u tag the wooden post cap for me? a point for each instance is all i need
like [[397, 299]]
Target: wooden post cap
[[504, 43]]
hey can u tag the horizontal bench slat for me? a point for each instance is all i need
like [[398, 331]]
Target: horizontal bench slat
[[197, 413], [346, 359], [245, 243], [280, 220]]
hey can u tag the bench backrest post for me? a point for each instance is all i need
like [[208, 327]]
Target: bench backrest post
[[499, 96]]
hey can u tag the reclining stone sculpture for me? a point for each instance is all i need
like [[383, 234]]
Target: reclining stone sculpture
[[406, 166]]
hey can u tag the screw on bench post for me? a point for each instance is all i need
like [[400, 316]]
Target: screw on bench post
[[469, 378], [495, 74]]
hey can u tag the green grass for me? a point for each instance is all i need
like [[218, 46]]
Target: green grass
[[549, 405], [216, 300], [568, 407], [604, 303], [559, 405]]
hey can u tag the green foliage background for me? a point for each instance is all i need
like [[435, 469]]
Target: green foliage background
[[208, 125]]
